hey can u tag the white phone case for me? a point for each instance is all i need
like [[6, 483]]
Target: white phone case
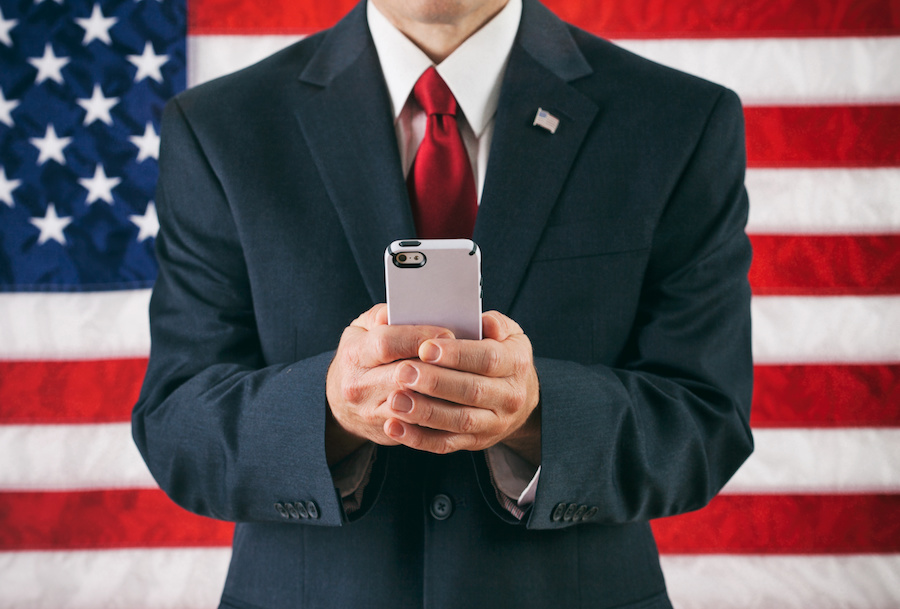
[[435, 282]]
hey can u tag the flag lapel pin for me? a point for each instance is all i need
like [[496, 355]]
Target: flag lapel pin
[[545, 120]]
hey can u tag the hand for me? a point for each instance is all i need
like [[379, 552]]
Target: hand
[[469, 395], [361, 377]]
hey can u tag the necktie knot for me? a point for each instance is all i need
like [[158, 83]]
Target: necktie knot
[[433, 94]]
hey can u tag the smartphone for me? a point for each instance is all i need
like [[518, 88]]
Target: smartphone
[[435, 282]]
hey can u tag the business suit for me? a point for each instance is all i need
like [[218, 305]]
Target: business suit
[[616, 243]]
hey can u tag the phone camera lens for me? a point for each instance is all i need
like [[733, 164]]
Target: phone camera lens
[[402, 257]]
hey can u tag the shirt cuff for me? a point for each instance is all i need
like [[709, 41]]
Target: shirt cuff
[[351, 475], [515, 479]]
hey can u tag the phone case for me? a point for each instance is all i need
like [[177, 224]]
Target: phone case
[[435, 282]]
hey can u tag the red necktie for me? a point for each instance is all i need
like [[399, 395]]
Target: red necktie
[[441, 184]]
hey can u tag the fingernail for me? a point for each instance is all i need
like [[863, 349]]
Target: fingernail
[[445, 334], [402, 403], [407, 374], [395, 429], [429, 352]]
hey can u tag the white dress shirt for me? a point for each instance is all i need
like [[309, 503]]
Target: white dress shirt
[[474, 74]]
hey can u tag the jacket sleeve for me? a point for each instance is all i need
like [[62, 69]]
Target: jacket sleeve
[[223, 434], [665, 428]]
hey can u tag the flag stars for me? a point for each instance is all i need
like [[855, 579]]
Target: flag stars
[[5, 26], [98, 107], [99, 187], [147, 144], [51, 146], [6, 108], [148, 64], [49, 66], [51, 226], [96, 27], [7, 187], [148, 224]]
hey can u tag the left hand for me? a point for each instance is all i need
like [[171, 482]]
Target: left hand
[[469, 394]]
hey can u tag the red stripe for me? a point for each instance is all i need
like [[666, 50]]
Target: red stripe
[[785, 524], [825, 265], [785, 395], [766, 524], [826, 396], [103, 520], [823, 136], [98, 391], [618, 19]]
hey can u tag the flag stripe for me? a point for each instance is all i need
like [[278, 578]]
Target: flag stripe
[[820, 264], [782, 582], [70, 391], [103, 391], [102, 456], [845, 460], [786, 329], [824, 201], [785, 524], [640, 19], [826, 396], [823, 136], [826, 329], [758, 524], [786, 75], [184, 578]]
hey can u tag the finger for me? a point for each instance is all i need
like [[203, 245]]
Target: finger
[[452, 385], [376, 316], [498, 326], [429, 440], [440, 415], [385, 344], [483, 357]]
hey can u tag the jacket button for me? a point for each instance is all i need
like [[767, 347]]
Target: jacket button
[[291, 510], [312, 510], [579, 513], [558, 512], [589, 515], [441, 507], [301, 509], [570, 511], [281, 510]]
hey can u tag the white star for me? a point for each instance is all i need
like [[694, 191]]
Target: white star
[[99, 187], [98, 107], [148, 64], [6, 108], [6, 187], [97, 26], [51, 146], [48, 66], [148, 223], [51, 226], [5, 26], [148, 144]]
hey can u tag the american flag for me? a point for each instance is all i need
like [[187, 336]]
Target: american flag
[[812, 520]]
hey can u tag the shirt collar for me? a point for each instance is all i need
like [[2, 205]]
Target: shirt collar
[[474, 71]]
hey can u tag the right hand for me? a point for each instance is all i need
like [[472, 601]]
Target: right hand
[[361, 379]]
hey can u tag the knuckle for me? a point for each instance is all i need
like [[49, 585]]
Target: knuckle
[[466, 423], [475, 392], [353, 392], [491, 362]]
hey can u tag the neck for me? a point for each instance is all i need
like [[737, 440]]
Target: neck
[[438, 27]]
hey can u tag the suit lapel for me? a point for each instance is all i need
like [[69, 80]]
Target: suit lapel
[[528, 165], [347, 121]]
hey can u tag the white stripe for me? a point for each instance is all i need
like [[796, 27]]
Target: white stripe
[[127, 579], [74, 325], [825, 329], [93, 325], [783, 582], [762, 71], [824, 201], [786, 71], [60, 457], [77, 457], [209, 57], [821, 461]]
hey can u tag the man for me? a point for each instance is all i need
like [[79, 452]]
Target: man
[[387, 466]]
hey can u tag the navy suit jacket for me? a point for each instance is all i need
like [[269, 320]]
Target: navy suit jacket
[[617, 243]]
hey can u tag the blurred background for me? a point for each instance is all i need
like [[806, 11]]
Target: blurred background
[[812, 520]]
